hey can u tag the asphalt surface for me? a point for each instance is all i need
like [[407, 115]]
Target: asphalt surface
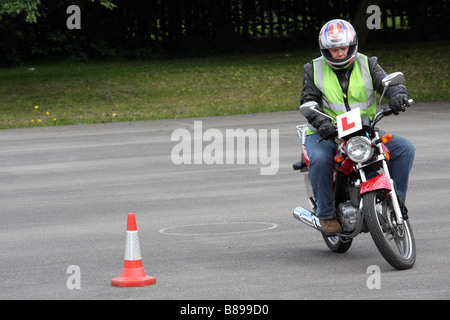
[[219, 231]]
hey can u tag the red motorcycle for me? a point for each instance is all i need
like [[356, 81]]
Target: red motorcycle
[[363, 191]]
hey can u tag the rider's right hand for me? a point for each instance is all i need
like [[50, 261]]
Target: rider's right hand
[[323, 125], [316, 119], [327, 130]]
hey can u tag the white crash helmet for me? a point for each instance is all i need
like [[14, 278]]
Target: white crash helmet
[[338, 33]]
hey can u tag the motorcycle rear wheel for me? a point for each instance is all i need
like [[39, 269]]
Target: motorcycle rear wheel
[[335, 244], [395, 242]]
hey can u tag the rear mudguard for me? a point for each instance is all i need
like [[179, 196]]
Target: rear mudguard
[[379, 182]]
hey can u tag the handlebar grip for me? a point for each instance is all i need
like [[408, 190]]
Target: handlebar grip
[[410, 102], [387, 111]]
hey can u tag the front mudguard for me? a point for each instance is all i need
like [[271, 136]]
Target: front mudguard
[[379, 182]]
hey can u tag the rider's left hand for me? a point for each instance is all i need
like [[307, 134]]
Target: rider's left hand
[[398, 103]]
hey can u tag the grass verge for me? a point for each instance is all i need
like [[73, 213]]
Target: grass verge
[[67, 93]]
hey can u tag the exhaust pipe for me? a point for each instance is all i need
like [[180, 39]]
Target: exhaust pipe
[[307, 217]]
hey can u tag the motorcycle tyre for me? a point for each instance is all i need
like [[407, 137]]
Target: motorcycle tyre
[[392, 257], [335, 245]]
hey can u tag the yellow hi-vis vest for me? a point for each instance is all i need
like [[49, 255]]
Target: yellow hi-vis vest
[[360, 91]]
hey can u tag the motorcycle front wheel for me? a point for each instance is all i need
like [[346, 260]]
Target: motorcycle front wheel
[[394, 241]]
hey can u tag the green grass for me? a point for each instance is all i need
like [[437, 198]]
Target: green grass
[[106, 91]]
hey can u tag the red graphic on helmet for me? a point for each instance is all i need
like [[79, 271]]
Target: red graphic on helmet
[[336, 32]]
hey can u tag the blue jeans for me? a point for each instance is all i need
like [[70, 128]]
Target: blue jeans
[[321, 157]]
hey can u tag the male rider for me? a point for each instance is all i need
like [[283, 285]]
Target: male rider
[[340, 80]]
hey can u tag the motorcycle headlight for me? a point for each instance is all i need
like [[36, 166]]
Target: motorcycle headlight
[[359, 149]]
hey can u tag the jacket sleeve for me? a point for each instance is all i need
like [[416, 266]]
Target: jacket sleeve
[[378, 74], [310, 92]]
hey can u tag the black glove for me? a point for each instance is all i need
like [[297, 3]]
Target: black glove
[[398, 102], [316, 119], [327, 130], [323, 125]]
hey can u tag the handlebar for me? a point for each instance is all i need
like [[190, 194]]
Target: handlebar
[[386, 111]]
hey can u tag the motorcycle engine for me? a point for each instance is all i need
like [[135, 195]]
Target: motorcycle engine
[[347, 214]]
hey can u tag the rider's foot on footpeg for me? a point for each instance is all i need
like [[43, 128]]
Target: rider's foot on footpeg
[[330, 226]]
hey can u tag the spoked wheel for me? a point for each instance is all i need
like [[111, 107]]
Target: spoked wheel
[[394, 241], [336, 244]]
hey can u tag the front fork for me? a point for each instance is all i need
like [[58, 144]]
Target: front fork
[[392, 194]]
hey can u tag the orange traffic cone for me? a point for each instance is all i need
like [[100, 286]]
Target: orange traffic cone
[[133, 274]]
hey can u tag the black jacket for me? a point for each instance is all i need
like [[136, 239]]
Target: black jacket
[[312, 93]]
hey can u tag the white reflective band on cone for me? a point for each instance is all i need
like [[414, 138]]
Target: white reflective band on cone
[[132, 248]]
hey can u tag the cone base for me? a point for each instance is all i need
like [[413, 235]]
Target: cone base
[[133, 275], [133, 281]]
